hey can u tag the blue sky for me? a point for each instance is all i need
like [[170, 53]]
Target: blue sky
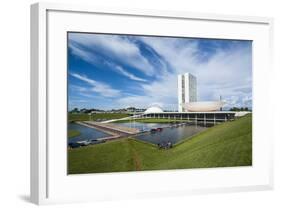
[[118, 71]]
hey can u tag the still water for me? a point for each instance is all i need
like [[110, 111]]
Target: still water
[[171, 134], [85, 133], [143, 126]]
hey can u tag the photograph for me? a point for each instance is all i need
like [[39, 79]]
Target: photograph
[[146, 103]]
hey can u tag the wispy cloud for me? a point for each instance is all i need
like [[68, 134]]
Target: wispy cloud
[[116, 48], [122, 71], [92, 58], [163, 92], [221, 67], [83, 54], [223, 73], [98, 87]]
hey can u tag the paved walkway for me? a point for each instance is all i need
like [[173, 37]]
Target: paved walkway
[[110, 128], [121, 119]]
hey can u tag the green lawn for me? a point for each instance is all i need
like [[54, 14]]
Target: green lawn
[[224, 145], [73, 133], [94, 117]]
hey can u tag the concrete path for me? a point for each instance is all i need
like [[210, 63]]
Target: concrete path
[[110, 128], [121, 119]]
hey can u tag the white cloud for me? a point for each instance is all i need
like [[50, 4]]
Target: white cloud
[[163, 93], [227, 72], [98, 87], [179, 53], [122, 71], [84, 55], [114, 47], [238, 101], [163, 90], [129, 75]]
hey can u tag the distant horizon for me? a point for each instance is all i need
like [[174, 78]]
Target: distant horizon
[[166, 110], [119, 71]]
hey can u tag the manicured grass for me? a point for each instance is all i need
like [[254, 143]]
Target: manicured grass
[[225, 145], [94, 117], [150, 120], [73, 133], [78, 117]]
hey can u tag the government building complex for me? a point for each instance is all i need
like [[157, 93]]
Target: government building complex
[[188, 106]]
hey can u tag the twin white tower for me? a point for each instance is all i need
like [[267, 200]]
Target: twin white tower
[[187, 90]]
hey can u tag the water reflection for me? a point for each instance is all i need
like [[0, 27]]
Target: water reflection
[[167, 134], [86, 133], [171, 134]]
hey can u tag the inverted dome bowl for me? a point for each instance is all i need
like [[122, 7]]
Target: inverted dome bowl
[[204, 106]]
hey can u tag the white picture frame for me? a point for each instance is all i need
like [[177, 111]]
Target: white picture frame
[[49, 181]]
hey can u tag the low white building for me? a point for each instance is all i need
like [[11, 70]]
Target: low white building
[[187, 96]]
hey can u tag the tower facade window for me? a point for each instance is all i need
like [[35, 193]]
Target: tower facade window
[[187, 90]]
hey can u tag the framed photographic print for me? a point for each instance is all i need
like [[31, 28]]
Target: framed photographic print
[[133, 103]]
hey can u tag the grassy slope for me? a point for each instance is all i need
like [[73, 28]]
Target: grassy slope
[[225, 145]]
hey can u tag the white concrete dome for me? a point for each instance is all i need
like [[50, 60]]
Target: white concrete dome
[[204, 106], [153, 109]]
